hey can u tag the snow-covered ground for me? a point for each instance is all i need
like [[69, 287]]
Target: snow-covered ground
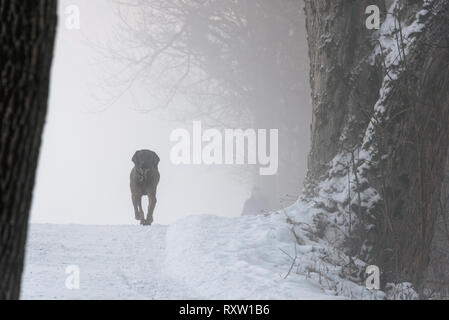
[[199, 257]]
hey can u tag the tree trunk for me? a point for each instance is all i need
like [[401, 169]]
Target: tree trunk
[[382, 96], [27, 31]]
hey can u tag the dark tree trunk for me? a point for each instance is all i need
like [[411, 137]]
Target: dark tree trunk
[[402, 132], [27, 30]]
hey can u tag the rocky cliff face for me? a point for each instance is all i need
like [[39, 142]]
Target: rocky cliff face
[[343, 80], [379, 132]]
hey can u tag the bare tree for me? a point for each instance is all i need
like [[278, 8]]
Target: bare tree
[[239, 63]]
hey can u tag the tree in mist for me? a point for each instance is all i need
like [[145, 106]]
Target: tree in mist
[[380, 117], [27, 30], [239, 63]]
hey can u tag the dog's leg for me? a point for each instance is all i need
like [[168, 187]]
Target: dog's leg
[[149, 219], [151, 205], [137, 203]]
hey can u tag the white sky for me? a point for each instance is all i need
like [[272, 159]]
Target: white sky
[[83, 175]]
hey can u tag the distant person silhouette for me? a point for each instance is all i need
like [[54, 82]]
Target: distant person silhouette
[[256, 204]]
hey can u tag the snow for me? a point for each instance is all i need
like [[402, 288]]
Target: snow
[[394, 42], [238, 258], [199, 257], [115, 262]]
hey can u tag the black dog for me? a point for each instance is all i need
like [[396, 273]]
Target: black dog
[[144, 180]]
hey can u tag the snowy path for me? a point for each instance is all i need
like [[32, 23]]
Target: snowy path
[[204, 257], [124, 262]]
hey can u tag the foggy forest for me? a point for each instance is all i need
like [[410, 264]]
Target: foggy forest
[[224, 150]]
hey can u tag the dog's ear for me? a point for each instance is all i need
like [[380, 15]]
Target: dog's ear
[[135, 158], [156, 159]]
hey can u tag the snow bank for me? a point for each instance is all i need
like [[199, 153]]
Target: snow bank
[[240, 258], [205, 257]]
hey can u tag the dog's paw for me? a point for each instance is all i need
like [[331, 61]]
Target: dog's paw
[[139, 216], [147, 222]]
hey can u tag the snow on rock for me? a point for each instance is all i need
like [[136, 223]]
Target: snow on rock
[[343, 195], [401, 291], [394, 43]]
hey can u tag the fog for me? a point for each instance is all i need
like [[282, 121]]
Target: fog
[[85, 161]]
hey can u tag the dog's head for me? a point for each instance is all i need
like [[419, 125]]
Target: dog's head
[[146, 159]]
